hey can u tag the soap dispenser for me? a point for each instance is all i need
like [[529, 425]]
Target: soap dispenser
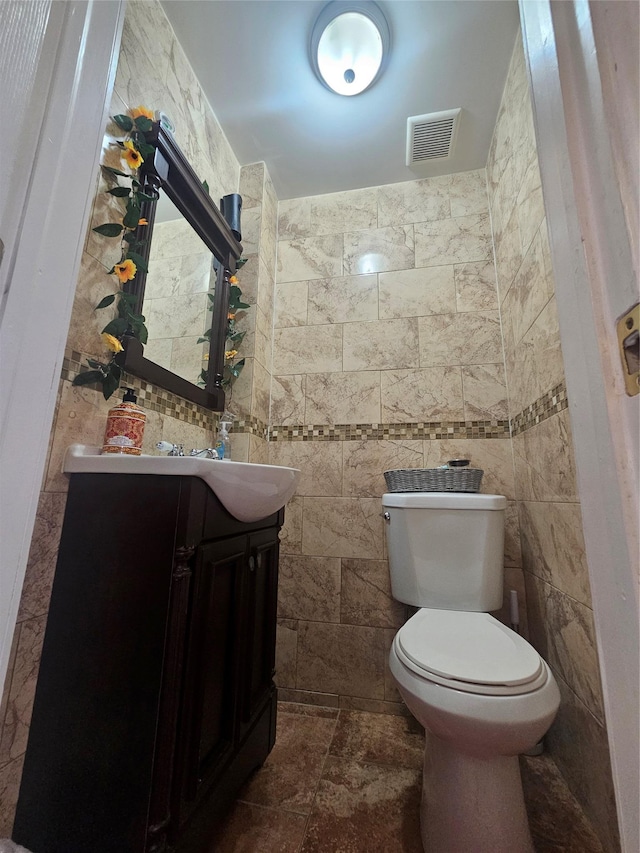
[[125, 427], [223, 442]]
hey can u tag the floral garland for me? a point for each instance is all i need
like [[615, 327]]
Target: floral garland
[[134, 149]]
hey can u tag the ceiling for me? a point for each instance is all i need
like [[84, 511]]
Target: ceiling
[[251, 57]]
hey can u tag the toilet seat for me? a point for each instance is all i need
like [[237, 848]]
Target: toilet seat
[[469, 651]]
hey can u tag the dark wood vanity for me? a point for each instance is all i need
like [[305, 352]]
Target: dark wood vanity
[[155, 698]]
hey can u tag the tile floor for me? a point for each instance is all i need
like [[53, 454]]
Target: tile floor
[[349, 782]]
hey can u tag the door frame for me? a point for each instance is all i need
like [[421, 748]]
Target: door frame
[[596, 282], [84, 39]]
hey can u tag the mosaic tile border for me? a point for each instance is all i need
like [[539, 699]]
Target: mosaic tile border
[[389, 432], [544, 407]]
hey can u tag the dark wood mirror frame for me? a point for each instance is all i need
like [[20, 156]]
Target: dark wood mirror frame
[[170, 171]]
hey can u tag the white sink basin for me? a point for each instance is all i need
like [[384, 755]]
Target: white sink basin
[[247, 491]]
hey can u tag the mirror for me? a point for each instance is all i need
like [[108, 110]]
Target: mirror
[[191, 251]]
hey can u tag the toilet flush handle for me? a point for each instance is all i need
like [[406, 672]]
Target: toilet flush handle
[[386, 516]]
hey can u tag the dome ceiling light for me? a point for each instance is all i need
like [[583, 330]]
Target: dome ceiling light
[[350, 45]]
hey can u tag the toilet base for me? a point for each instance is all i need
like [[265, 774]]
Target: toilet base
[[472, 805]]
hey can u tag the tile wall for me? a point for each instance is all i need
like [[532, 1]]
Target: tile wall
[[561, 624], [387, 354], [152, 71]]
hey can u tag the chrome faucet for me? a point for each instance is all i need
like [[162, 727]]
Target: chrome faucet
[[174, 449], [207, 453]]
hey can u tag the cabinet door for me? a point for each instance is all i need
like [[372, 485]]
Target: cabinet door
[[259, 623], [207, 725]]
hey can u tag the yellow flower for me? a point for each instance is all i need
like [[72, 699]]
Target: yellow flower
[[230, 353], [231, 316], [111, 343], [125, 270], [142, 221], [131, 155], [233, 279], [142, 111]]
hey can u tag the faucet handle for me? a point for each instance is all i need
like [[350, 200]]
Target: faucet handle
[[171, 449], [207, 453]]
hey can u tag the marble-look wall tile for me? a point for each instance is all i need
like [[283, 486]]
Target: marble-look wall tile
[[307, 349], [294, 218], [468, 193], [43, 554], [309, 588], [321, 473], [15, 731], [288, 399], [512, 545], [366, 595], [342, 527], [342, 300], [417, 292], [304, 258], [286, 652], [553, 546], [342, 659], [531, 289], [260, 392], [493, 456], [380, 345], [258, 450], [538, 359], [514, 581], [563, 631], [545, 463], [530, 205], [366, 461], [251, 185], [336, 213], [475, 285], [460, 339], [485, 392], [414, 201], [291, 532], [578, 744], [453, 241], [10, 776], [428, 394], [390, 248], [343, 398], [291, 304], [391, 692]]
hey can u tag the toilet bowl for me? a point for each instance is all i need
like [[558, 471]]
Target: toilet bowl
[[484, 696]]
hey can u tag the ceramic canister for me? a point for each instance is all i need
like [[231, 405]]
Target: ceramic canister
[[125, 427]]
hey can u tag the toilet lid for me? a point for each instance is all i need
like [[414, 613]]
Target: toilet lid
[[468, 647]]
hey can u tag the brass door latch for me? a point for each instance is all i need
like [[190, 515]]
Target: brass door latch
[[628, 329]]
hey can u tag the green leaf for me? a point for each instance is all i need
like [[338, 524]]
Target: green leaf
[[132, 215], [241, 262], [116, 172], [116, 371], [117, 327], [109, 229], [145, 149], [146, 196], [124, 122], [110, 384], [120, 192], [234, 292], [88, 378], [138, 260], [96, 364], [128, 298], [242, 305], [143, 123], [108, 300], [206, 187], [237, 338]]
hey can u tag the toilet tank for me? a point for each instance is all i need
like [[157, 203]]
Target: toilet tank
[[446, 549]]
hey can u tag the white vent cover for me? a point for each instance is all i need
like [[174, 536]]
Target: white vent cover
[[431, 137]]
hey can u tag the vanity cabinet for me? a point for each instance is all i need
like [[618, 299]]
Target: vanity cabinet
[[155, 698]]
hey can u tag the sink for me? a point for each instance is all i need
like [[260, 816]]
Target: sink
[[247, 491]]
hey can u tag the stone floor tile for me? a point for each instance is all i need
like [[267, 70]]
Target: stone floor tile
[[379, 739], [290, 775], [556, 820], [250, 828], [362, 808]]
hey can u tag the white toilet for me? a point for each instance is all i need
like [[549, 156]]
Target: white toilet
[[482, 693]]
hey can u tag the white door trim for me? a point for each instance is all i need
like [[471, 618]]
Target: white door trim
[[45, 270], [595, 282]]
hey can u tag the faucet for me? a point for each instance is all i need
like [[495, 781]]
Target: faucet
[[174, 449], [207, 453]]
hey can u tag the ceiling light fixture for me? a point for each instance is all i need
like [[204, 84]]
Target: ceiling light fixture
[[350, 44]]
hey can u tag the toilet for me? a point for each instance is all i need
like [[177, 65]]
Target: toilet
[[482, 693]]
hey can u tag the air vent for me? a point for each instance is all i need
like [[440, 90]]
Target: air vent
[[431, 137]]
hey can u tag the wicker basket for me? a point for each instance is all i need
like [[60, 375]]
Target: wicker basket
[[434, 479]]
